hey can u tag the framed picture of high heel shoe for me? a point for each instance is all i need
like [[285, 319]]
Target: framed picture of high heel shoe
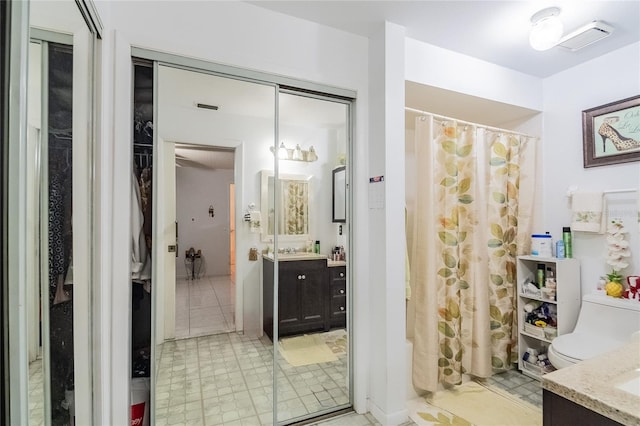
[[611, 133]]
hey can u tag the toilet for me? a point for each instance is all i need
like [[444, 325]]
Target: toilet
[[604, 323]]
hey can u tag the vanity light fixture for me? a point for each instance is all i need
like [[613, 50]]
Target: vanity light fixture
[[296, 154], [546, 29]]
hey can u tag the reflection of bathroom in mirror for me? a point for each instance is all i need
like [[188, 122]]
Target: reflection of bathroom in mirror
[[339, 186], [294, 206]]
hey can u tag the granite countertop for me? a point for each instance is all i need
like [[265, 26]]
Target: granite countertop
[[288, 257], [598, 383]]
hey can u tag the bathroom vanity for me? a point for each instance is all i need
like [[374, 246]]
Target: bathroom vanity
[[311, 296], [604, 390]]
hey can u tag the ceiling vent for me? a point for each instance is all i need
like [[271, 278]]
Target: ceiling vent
[[585, 36]]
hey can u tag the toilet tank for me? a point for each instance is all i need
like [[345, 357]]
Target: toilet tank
[[604, 315]]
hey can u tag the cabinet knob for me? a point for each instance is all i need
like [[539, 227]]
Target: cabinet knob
[[304, 277], [341, 291], [341, 274], [299, 277], [342, 308]]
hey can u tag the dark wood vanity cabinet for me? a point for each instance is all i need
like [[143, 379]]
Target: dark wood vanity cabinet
[[311, 297], [302, 297], [338, 305]]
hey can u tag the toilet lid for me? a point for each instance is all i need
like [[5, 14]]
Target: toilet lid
[[583, 346]]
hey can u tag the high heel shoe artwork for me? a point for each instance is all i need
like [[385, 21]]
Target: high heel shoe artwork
[[621, 143]]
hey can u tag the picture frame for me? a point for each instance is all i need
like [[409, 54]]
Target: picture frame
[[611, 133]]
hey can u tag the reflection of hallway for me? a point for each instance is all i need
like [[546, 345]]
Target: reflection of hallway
[[205, 306]]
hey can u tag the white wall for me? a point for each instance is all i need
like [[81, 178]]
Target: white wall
[[387, 374], [196, 190], [434, 66], [233, 33], [605, 79]]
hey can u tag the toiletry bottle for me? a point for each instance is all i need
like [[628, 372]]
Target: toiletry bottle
[[566, 237], [317, 247], [560, 249], [540, 275]]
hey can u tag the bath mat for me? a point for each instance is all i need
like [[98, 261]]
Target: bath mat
[[305, 350], [336, 340], [476, 405], [424, 414]]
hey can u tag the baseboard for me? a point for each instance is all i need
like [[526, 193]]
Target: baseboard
[[388, 419]]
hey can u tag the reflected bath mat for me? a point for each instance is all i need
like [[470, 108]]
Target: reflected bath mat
[[305, 350]]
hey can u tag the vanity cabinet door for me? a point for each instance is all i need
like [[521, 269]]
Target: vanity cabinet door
[[302, 296]]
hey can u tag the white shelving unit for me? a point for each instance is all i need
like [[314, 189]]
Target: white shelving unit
[[567, 275]]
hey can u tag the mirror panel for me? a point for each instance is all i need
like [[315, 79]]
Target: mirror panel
[[339, 186], [204, 371], [312, 361], [58, 216], [294, 204]]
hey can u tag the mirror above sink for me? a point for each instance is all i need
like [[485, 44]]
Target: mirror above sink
[[294, 207]]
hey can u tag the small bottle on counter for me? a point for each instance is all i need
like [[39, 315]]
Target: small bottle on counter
[[317, 247]]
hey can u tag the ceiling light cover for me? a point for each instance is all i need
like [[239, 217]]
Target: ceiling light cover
[[546, 29]]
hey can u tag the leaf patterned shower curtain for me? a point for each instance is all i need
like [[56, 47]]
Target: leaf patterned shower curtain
[[295, 208], [474, 200]]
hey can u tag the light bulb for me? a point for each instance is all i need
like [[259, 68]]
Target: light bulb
[[297, 153], [282, 152], [311, 156]]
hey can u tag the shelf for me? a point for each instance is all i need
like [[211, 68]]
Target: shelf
[[538, 298], [545, 259], [566, 304]]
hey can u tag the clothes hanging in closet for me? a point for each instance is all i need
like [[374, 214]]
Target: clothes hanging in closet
[[140, 259]]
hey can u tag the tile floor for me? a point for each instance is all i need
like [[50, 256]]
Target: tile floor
[[225, 379], [36, 394], [205, 306]]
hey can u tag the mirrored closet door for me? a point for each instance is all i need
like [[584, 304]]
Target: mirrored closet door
[[58, 214], [310, 260], [286, 358]]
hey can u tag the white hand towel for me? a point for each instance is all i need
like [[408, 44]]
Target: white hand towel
[[589, 212], [255, 220]]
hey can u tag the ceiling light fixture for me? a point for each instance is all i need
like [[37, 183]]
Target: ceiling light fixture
[[295, 154], [546, 29]]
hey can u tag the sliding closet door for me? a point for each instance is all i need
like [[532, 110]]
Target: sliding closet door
[[58, 215], [225, 377], [312, 362]]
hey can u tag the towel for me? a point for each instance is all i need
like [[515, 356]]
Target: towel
[[254, 221], [589, 212]]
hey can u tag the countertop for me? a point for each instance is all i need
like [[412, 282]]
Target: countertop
[[597, 383], [288, 257]]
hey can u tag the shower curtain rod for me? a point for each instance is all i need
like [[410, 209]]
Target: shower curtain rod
[[443, 117]]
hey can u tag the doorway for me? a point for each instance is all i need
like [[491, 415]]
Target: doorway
[[205, 286]]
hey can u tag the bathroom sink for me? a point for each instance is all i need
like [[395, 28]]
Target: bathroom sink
[[633, 385]]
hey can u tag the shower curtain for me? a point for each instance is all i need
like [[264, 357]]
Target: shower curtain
[[473, 208]]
